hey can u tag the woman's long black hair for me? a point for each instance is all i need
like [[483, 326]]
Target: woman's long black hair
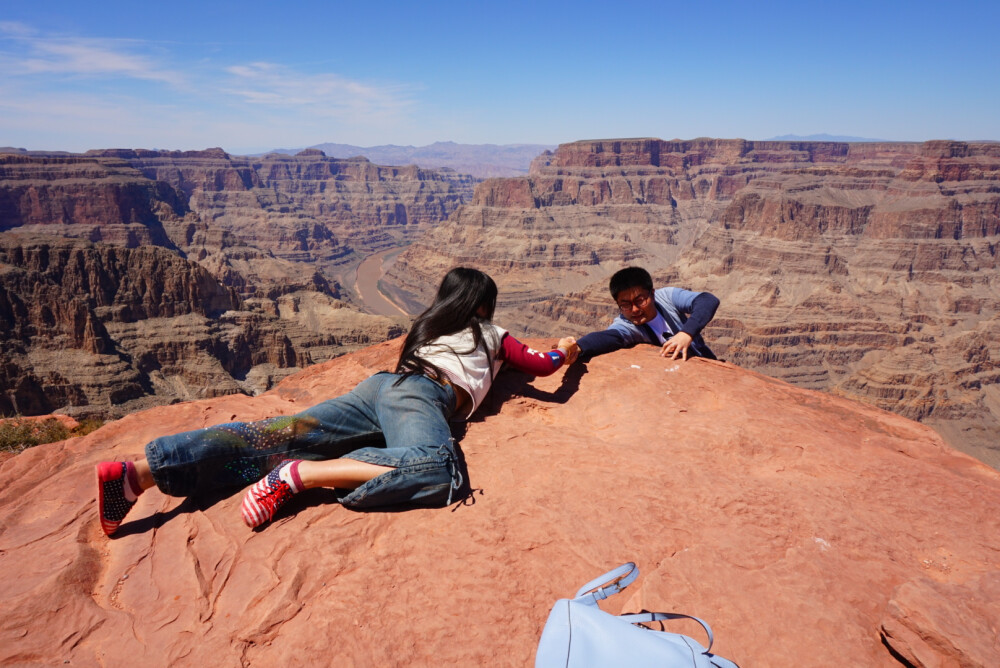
[[466, 298]]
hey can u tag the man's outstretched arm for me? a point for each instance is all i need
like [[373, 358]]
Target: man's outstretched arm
[[599, 343]]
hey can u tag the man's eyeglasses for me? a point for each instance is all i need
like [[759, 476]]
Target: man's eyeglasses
[[637, 304]]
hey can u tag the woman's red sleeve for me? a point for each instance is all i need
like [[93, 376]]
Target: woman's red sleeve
[[525, 359]]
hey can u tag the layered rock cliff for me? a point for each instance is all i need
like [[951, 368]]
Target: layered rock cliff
[[824, 533], [308, 208], [174, 275], [97, 329], [78, 196], [263, 225], [864, 269]]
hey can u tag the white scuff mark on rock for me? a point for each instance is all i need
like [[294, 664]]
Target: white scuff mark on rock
[[823, 545], [636, 366], [673, 368]]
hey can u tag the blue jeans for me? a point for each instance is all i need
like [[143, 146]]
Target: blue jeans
[[403, 426]]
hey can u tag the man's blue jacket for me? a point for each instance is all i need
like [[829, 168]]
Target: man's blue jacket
[[684, 310]]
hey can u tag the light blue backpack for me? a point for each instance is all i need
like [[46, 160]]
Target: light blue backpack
[[578, 634]]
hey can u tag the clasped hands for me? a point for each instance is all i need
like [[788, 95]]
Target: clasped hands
[[568, 345]]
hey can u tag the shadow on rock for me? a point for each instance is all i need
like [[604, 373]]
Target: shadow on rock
[[190, 504], [516, 384]]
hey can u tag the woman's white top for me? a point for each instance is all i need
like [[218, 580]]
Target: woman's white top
[[466, 366]]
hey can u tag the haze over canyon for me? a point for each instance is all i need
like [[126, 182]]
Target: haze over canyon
[[868, 270]]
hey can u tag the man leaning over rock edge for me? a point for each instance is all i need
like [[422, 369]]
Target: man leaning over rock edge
[[671, 318]]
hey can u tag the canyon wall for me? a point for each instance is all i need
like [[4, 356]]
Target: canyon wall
[[98, 329], [863, 269], [868, 270], [166, 276], [321, 214]]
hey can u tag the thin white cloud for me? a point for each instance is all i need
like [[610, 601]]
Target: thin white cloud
[[24, 52], [322, 94], [14, 29], [47, 100]]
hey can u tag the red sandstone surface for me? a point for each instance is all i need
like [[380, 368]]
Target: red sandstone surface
[[806, 528]]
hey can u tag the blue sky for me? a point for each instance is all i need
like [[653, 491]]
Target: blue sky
[[250, 76]]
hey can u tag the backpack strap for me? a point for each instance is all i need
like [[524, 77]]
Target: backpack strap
[[610, 583], [660, 616], [698, 346], [648, 333]]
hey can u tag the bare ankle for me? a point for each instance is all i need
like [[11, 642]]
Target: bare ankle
[[144, 474]]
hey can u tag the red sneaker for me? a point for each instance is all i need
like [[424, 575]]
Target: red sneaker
[[114, 494], [271, 492]]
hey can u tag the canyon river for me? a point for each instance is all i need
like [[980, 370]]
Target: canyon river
[[371, 269]]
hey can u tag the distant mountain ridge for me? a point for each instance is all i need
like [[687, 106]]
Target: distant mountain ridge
[[479, 160]]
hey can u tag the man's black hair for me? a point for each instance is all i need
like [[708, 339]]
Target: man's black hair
[[630, 277]]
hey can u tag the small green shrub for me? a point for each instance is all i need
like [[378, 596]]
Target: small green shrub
[[86, 426], [16, 434]]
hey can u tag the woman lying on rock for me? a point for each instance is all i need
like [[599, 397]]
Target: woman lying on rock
[[387, 440]]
